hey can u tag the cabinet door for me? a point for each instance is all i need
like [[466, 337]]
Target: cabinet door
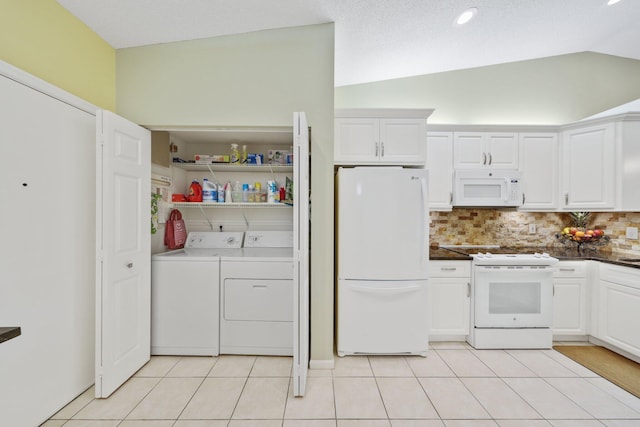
[[588, 159], [502, 150], [619, 316], [538, 154], [619, 307], [440, 166], [402, 141], [356, 140], [450, 306], [469, 150], [569, 307]]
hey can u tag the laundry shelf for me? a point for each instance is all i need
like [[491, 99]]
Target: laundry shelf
[[224, 167], [231, 205]]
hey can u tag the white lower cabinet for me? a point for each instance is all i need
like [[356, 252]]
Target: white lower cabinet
[[570, 297], [619, 307], [449, 300]]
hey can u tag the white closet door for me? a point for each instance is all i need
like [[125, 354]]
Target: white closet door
[[123, 266], [301, 254]]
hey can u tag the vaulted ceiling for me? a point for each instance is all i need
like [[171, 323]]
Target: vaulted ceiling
[[385, 39]]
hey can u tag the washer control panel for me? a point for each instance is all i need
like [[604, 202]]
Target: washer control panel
[[214, 240], [268, 239]]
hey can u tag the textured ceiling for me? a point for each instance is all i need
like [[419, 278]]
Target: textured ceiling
[[384, 39]]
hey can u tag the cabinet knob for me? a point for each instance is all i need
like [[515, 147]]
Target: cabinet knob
[[382, 149], [130, 265], [377, 149], [484, 158], [523, 198], [468, 289], [448, 268], [490, 158], [566, 198]]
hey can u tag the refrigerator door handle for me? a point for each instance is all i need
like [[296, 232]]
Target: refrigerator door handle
[[386, 291], [425, 195]]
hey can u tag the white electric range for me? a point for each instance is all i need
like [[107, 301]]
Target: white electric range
[[512, 298]]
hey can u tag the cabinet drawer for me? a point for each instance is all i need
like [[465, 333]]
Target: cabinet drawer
[[626, 276], [570, 269], [258, 300], [450, 269]]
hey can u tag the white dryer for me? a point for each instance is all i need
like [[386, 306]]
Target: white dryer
[[256, 296], [185, 294]]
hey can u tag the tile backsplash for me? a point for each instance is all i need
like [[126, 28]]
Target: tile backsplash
[[511, 228]]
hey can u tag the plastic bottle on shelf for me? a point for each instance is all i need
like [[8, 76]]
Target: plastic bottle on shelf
[[244, 155], [271, 191], [221, 193], [245, 193], [195, 192], [227, 193], [237, 193], [235, 154], [209, 191]]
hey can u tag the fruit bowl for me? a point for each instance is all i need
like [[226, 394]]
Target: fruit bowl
[[580, 236]]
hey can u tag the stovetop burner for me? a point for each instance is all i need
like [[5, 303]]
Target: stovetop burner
[[496, 255]]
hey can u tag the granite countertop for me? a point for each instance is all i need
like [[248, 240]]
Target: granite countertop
[[441, 254], [6, 333], [563, 254]]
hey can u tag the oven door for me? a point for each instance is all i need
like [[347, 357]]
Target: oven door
[[513, 296]]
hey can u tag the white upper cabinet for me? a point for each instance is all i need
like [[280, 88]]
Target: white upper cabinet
[[588, 167], [538, 154], [498, 150], [380, 136], [440, 166], [599, 164]]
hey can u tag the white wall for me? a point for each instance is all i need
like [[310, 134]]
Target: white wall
[[250, 79], [554, 90], [47, 273]]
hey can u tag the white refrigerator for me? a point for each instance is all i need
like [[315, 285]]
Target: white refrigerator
[[383, 256]]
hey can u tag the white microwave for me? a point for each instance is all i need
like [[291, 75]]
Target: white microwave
[[482, 187]]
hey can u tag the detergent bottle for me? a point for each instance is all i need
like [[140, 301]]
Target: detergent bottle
[[235, 154], [195, 192], [209, 191]]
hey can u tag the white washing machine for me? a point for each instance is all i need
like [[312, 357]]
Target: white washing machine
[[256, 296], [185, 294]]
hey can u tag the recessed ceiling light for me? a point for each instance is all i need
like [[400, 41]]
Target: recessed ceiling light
[[466, 16], [610, 2]]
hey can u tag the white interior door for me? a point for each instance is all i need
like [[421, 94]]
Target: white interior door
[[123, 265], [301, 254]]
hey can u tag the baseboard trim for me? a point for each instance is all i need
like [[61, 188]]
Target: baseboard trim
[[321, 364]]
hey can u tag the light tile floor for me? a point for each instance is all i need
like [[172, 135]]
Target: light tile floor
[[454, 386]]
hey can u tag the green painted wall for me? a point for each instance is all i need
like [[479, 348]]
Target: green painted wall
[[250, 79], [553, 90], [44, 39]]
